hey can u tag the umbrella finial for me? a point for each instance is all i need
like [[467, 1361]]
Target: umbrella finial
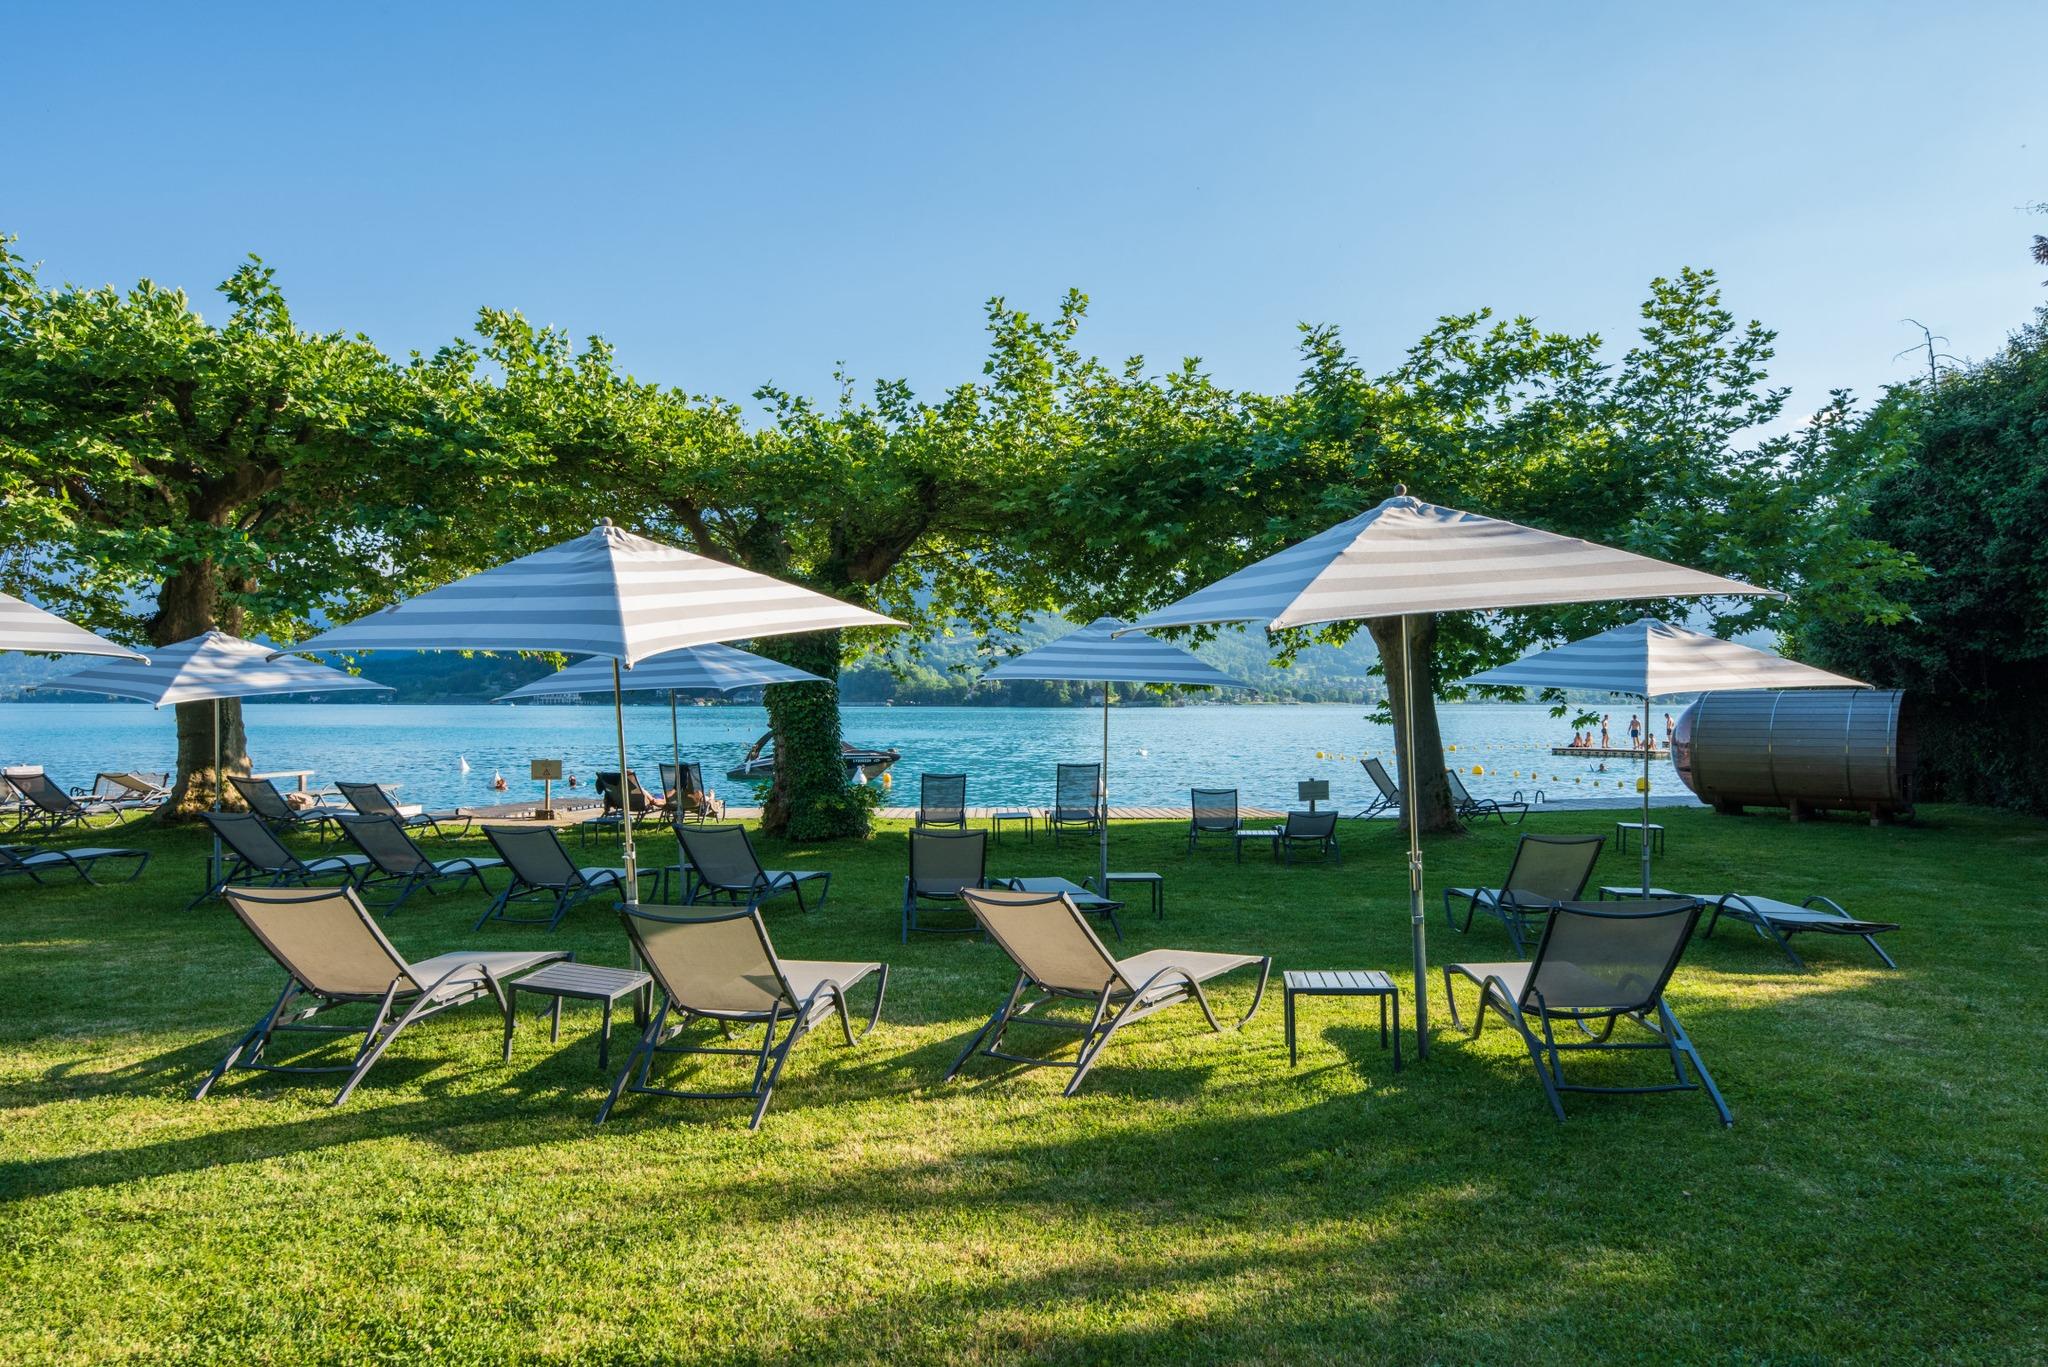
[[1400, 491]]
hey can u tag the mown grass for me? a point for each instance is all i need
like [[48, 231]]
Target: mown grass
[[1881, 1195]]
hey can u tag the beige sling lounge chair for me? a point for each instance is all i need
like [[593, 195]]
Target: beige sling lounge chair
[[1059, 958], [723, 968], [334, 955]]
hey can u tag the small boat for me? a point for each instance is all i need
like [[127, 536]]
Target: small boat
[[759, 765], [1584, 752]]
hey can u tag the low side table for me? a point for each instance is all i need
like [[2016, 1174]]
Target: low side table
[[1155, 883], [996, 820], [584, 982], [1342, 982], [1649, 831], [1269, 834], [1633, 892]]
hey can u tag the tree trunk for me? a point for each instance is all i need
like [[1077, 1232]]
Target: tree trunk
[[1435, 813], [810, 798], [189, 603]]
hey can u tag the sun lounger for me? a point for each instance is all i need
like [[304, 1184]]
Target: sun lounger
[[1213, 811], [396, 861], [719, 864], [1059, 958], [1389, 799], [1467, 805], [370, 799], [47, 807], [334, 955], [1598, 964], [646, 808], [1780, 921], [127, 791], [943, 864], [1547, 870], [262, 797], [724, 969], [688, 800], [38, 864], [257, 858], [542, 871], [942, 801], [1077, 801], [1309, 831]]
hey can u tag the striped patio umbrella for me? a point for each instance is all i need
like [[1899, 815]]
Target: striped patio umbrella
[[1406, 558], [1097, 654], [24, 626], [703, 669], [1651, 659], [608, 594]]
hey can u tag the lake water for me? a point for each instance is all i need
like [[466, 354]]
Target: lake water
[[1156, 753]]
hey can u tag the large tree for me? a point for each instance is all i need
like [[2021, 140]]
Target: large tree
[[161, 475]]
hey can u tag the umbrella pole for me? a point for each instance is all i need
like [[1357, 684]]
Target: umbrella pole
[[625, 793], [1102, 862], [1418, 929], [675, 749], [1645, 832], [213, 869]]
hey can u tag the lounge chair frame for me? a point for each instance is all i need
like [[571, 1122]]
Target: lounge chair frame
[[699, 883], [1076, 801], [1525, 1010], [47, 807], [1479, 808], [541, 870], [455, 980], [370, 799], [257, 858], [790, 1014], [1309, 830], [1389, 799], [1117, 1003], [1828, 918], [917, 891], [262, 797], [942, 801], [1214, 811], [35, 861], [680, 809], [1515, 909], [645, 808], [396, 861]]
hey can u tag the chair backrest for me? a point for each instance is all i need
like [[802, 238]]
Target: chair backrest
[[1310, 825], [1213, 809], [1050, 941], [260, 795], [1382, 780], [608, 789], [691, 792], [1552, 868], [942, 799], [722, 856], [1461, 795], [384, 840], [323, 937], [251, 840], [40, 790], [668, 779], [944, 862], [1077, 792], [1607, 957], [368, 798], [534, 854], [717, 965], [108, 788]]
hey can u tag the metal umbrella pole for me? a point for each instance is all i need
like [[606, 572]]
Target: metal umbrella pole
[[1645, 832], [1418, 928], [1102, 797], [625, 804], [214, 861], [675, 750]]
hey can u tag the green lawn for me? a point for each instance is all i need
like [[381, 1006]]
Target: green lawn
[[1880, 1196]]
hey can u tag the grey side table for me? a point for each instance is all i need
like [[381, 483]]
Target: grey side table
[[996, 820], [584, 982], [1342, 982], [1155, 883]]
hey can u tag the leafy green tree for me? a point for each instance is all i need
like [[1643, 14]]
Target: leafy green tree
[[161, 475]]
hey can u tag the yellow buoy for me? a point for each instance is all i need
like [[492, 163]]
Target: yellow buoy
[[1451, 748], [1642, 785], [1478, 769]]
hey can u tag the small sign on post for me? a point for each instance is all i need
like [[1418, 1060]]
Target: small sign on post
[[1312, 791], [546, 771]]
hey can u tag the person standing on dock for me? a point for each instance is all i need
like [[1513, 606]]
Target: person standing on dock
[[1635, 732], [1605, 744], [1670, 731]]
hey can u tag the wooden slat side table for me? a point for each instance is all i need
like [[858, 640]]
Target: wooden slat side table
[[1342, 982], [585, 982], [996, 820], [1156, 883], [1651, 831]]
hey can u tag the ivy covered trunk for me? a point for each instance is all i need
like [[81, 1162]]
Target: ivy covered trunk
[[189, 603], [1433, 800], [810, 798]]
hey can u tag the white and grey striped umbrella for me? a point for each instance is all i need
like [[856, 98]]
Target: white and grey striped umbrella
[[606, 593], [1653, 659], [24, 626], [208, 667], [1408, 558], [712, 668], [1097, 654]]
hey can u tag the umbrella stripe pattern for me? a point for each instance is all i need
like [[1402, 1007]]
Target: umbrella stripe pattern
[[1096, 654], [714, 668], [24, 626], [1654, 659], [210, 666]]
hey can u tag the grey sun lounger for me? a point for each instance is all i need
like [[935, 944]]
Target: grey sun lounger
[[723, 969], [395, 861], [1060, 959], [257, 858], [542, 871], [1547, 870], [127, 790], [1467, 805], [646, 808], [370, 799], [38, 863], [1389, 799], [47, 807], [1597, 965], [333, 956], [1213, 811], [1076, 801], [1780, 921], [943, 865], [719, 865], [942, 800], [688, 799], [1309, 831], [261, 796]]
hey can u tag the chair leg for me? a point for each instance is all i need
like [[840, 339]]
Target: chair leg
[[260, 1030], [993, 1025], [1681, 1041], [376, 1040], [641, 1053]]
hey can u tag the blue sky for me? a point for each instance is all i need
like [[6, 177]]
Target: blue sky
[[751, 193]]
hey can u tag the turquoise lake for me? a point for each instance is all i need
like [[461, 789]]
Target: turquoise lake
[[1156, 753]]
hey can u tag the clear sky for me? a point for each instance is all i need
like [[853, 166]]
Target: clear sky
[[748, 193]]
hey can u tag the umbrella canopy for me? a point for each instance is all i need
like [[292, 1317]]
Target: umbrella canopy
[[1650, 659], [210, 666], [1097, 654], [609, 594], [1406, 558], [24, 626], [713, 668]]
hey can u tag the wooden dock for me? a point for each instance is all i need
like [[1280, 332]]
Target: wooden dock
[[1583, 753]]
